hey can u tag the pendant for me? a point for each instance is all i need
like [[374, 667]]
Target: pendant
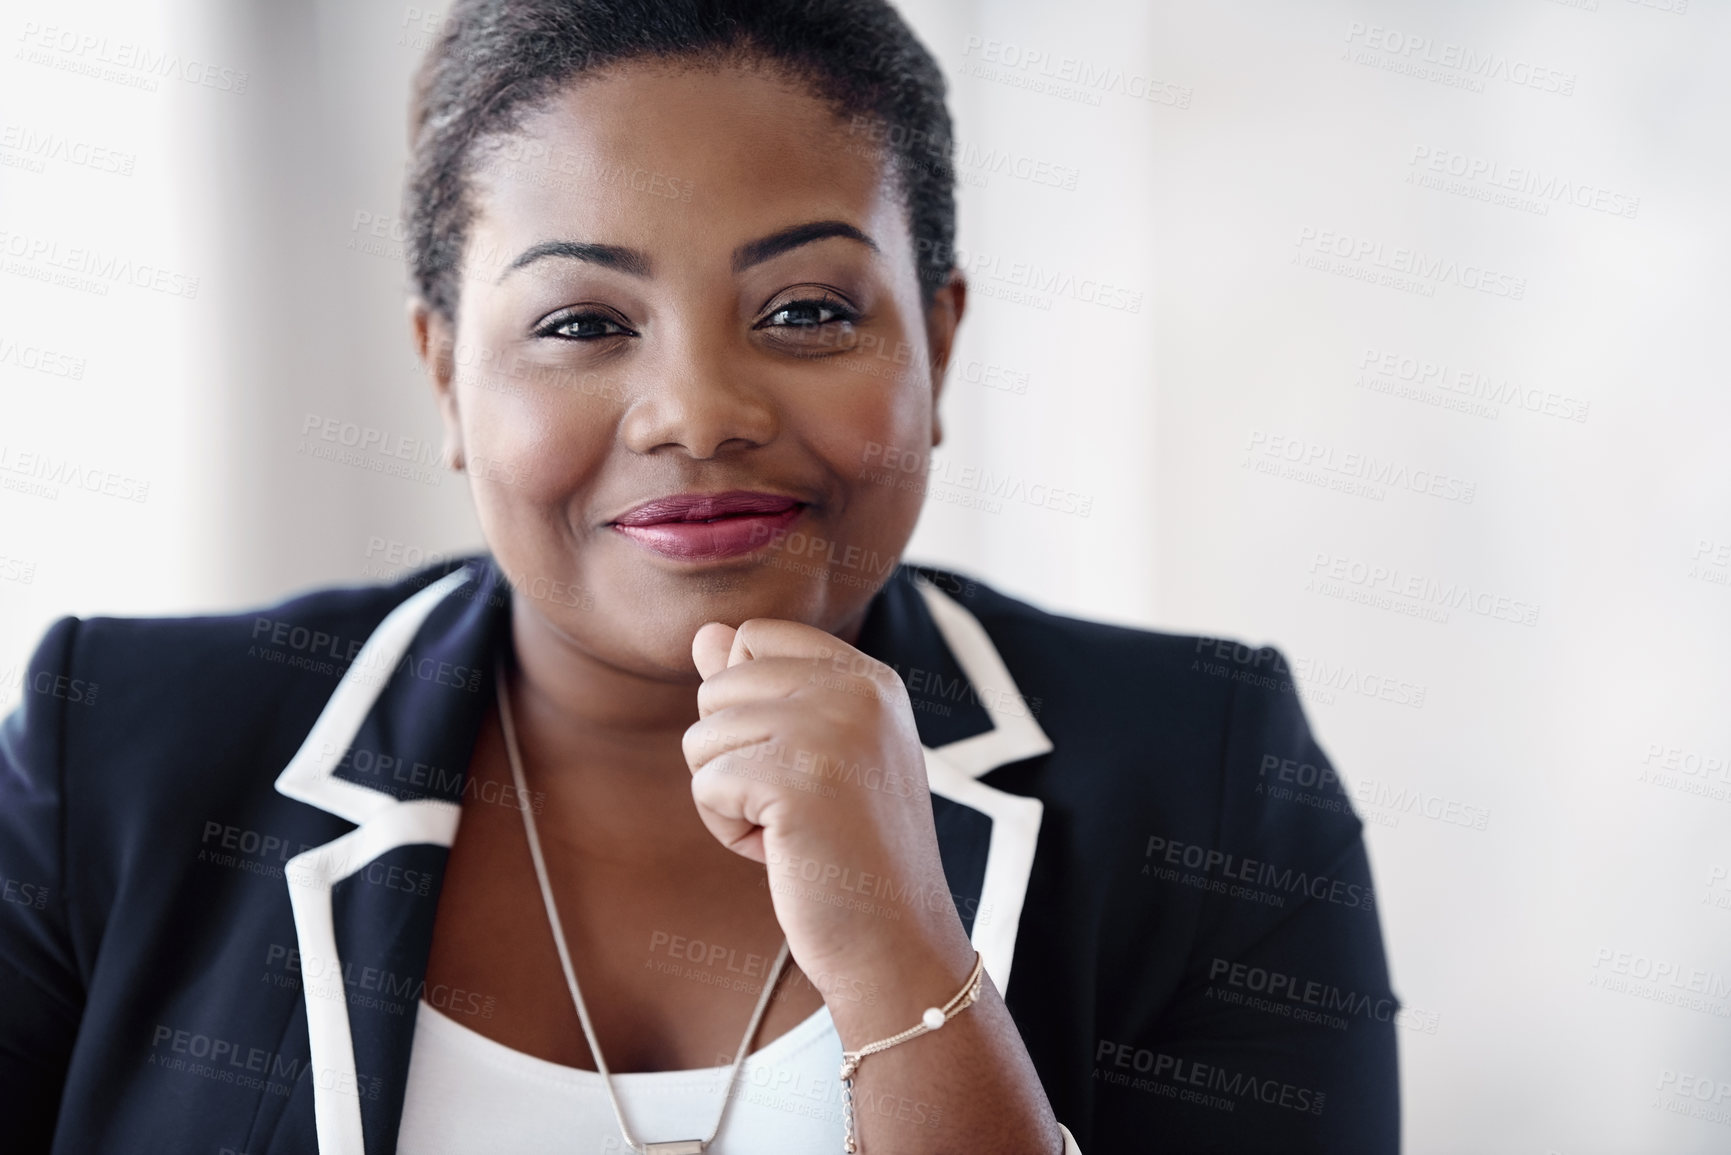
[[675, 1147]]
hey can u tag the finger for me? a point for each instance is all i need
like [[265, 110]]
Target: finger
[[720, 806], [710, 647], [779, 638], [772, 679], [732, 804], [753, 724], [739, 652]]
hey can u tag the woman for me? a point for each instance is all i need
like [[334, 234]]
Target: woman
[[504, 856]]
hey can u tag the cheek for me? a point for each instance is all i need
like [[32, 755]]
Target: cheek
[[534, 440], [879, 415], [879, 451]]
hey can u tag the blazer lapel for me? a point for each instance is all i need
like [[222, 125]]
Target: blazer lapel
[[390, 754], [972, 719]]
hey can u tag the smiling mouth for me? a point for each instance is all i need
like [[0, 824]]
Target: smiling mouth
[[706, 527]]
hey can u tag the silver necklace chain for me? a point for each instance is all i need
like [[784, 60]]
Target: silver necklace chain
[[676, 1147]]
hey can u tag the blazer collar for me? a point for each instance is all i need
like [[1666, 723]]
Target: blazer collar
[[966, 704], [390, 754]]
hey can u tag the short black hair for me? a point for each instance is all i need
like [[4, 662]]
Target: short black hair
[[495, 60]]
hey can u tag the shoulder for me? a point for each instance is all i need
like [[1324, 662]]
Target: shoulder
[[315, 633], [1119, 681], [1184, 745], [159, 704], [318, 622]]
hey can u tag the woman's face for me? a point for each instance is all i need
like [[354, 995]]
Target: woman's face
[[681, 284]]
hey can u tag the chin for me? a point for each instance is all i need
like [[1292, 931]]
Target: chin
[[756, 589]]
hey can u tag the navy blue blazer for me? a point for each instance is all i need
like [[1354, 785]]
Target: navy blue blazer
[[222, 841]]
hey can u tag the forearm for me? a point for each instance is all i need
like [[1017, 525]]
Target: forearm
[[968, 1086]]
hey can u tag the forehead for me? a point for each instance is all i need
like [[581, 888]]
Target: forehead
[[681, 159]]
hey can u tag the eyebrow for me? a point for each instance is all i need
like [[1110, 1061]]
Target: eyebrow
[[636, 262], [758, 251], [607, 256]]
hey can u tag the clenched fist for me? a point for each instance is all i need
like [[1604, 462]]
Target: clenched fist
[[805, 757]]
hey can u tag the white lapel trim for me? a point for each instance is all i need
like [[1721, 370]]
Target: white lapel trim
[[308, 777], [383, 823], [312, 876], [954, 770], [1009, 860], [1014, 734]]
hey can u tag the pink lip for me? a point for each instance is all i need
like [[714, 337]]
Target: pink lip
[[692, 526]]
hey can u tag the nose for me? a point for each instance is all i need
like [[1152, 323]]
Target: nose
[[697, 398]]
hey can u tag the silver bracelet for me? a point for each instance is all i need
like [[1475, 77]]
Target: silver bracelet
[[931, 1020]]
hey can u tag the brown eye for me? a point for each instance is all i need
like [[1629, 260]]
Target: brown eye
[[818, 325], [809, 314], [584, 326]]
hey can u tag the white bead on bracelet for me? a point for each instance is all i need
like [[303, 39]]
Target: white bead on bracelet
[[931, 1020]]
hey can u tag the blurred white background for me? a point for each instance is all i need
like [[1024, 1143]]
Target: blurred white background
[[1410, 360]]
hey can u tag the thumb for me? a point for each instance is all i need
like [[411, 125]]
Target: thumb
[[710, 648]]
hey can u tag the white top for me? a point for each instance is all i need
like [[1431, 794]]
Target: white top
[[467, 1093]]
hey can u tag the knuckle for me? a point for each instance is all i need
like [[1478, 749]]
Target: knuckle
[[705, 787]]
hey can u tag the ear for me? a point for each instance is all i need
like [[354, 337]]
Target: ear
[[435, 346], [942, 320]]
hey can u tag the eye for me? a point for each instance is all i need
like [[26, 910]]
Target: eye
[[815, 323], [582, 325], [810, 313], [814, 309]]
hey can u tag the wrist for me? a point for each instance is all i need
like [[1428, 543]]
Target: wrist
[[903, 981]]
